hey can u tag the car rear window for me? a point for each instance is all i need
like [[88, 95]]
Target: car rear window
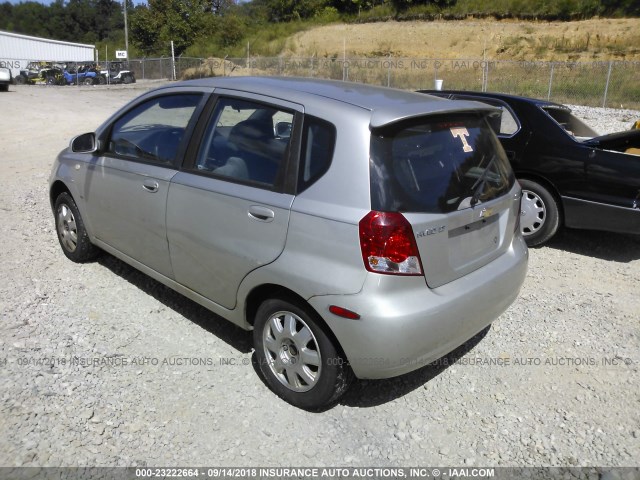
[[437, 165]]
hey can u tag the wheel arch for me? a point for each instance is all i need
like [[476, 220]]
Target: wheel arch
[[56, 189], [268, 291]]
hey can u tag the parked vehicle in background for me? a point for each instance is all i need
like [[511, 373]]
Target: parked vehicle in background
[[5, 79], [118, 72], [570, 175], [83, 75], [29, 75], [53, 75], [357, 230]]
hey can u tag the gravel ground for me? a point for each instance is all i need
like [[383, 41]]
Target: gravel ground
[[102, 366]]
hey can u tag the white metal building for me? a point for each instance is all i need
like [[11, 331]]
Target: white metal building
[[16, 51]]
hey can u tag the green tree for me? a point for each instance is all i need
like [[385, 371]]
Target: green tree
[[154, 26]]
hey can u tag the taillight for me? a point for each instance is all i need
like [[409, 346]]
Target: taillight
[[388, 245]]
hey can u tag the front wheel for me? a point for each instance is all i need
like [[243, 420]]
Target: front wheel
[[297, 358], [539, 213], [72, 234]]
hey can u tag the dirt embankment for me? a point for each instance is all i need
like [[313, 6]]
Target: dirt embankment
[[597, 39]]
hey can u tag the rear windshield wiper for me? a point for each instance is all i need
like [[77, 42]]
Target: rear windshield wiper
[[478, 186]]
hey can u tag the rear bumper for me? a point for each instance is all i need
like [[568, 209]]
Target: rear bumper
[[404, 325]]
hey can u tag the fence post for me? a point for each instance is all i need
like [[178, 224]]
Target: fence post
[[486, 77], [550, 80], [606, 87]]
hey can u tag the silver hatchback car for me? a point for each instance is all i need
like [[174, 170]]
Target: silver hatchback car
[[356, 230]]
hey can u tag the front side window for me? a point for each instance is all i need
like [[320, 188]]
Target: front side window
[[152, 131], [246, 141], [437, 165]]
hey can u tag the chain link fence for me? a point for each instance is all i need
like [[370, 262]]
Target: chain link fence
[[614, 84]]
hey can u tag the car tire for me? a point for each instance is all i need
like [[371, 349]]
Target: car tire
[[298, 360], [127, 79], [102, 80], [88, 81], [539, 213], [4, 88], [21, 80], [72, 234]]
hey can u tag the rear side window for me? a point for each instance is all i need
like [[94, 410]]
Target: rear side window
[[437, 165], [570, 123], [246, 141]]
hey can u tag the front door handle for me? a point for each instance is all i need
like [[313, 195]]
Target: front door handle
[[263, 214], [150, 185]]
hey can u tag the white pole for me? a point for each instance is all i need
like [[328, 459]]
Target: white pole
[[173, 62], [606, 87]]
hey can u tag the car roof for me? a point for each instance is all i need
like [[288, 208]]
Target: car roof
[[500, 96], [387, 105]]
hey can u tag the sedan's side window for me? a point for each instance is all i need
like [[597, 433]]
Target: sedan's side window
[[152, 131], [507, 124], [245, 141]]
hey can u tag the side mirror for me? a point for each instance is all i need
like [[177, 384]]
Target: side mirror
[[283, 129], [85, 143]]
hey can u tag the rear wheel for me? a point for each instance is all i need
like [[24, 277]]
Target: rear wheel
[[299, 361], [72, 235], [127, 79], [21, 80], [539, 213]]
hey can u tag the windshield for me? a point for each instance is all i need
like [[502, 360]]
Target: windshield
[[437, 165]]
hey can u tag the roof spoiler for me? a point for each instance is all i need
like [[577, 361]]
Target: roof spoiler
[[432, 106]]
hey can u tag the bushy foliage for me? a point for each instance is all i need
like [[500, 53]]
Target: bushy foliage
[[84, 21]]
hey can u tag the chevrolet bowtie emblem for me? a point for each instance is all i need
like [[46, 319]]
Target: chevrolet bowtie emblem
[[486, 212]]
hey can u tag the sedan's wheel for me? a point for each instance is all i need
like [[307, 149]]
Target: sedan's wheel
[[539, 213], [296, 357], [71, 232]]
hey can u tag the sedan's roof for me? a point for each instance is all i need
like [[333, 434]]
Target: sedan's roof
[[387, 105]]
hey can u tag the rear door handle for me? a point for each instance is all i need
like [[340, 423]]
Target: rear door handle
[[263, 214], [150, 185]]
